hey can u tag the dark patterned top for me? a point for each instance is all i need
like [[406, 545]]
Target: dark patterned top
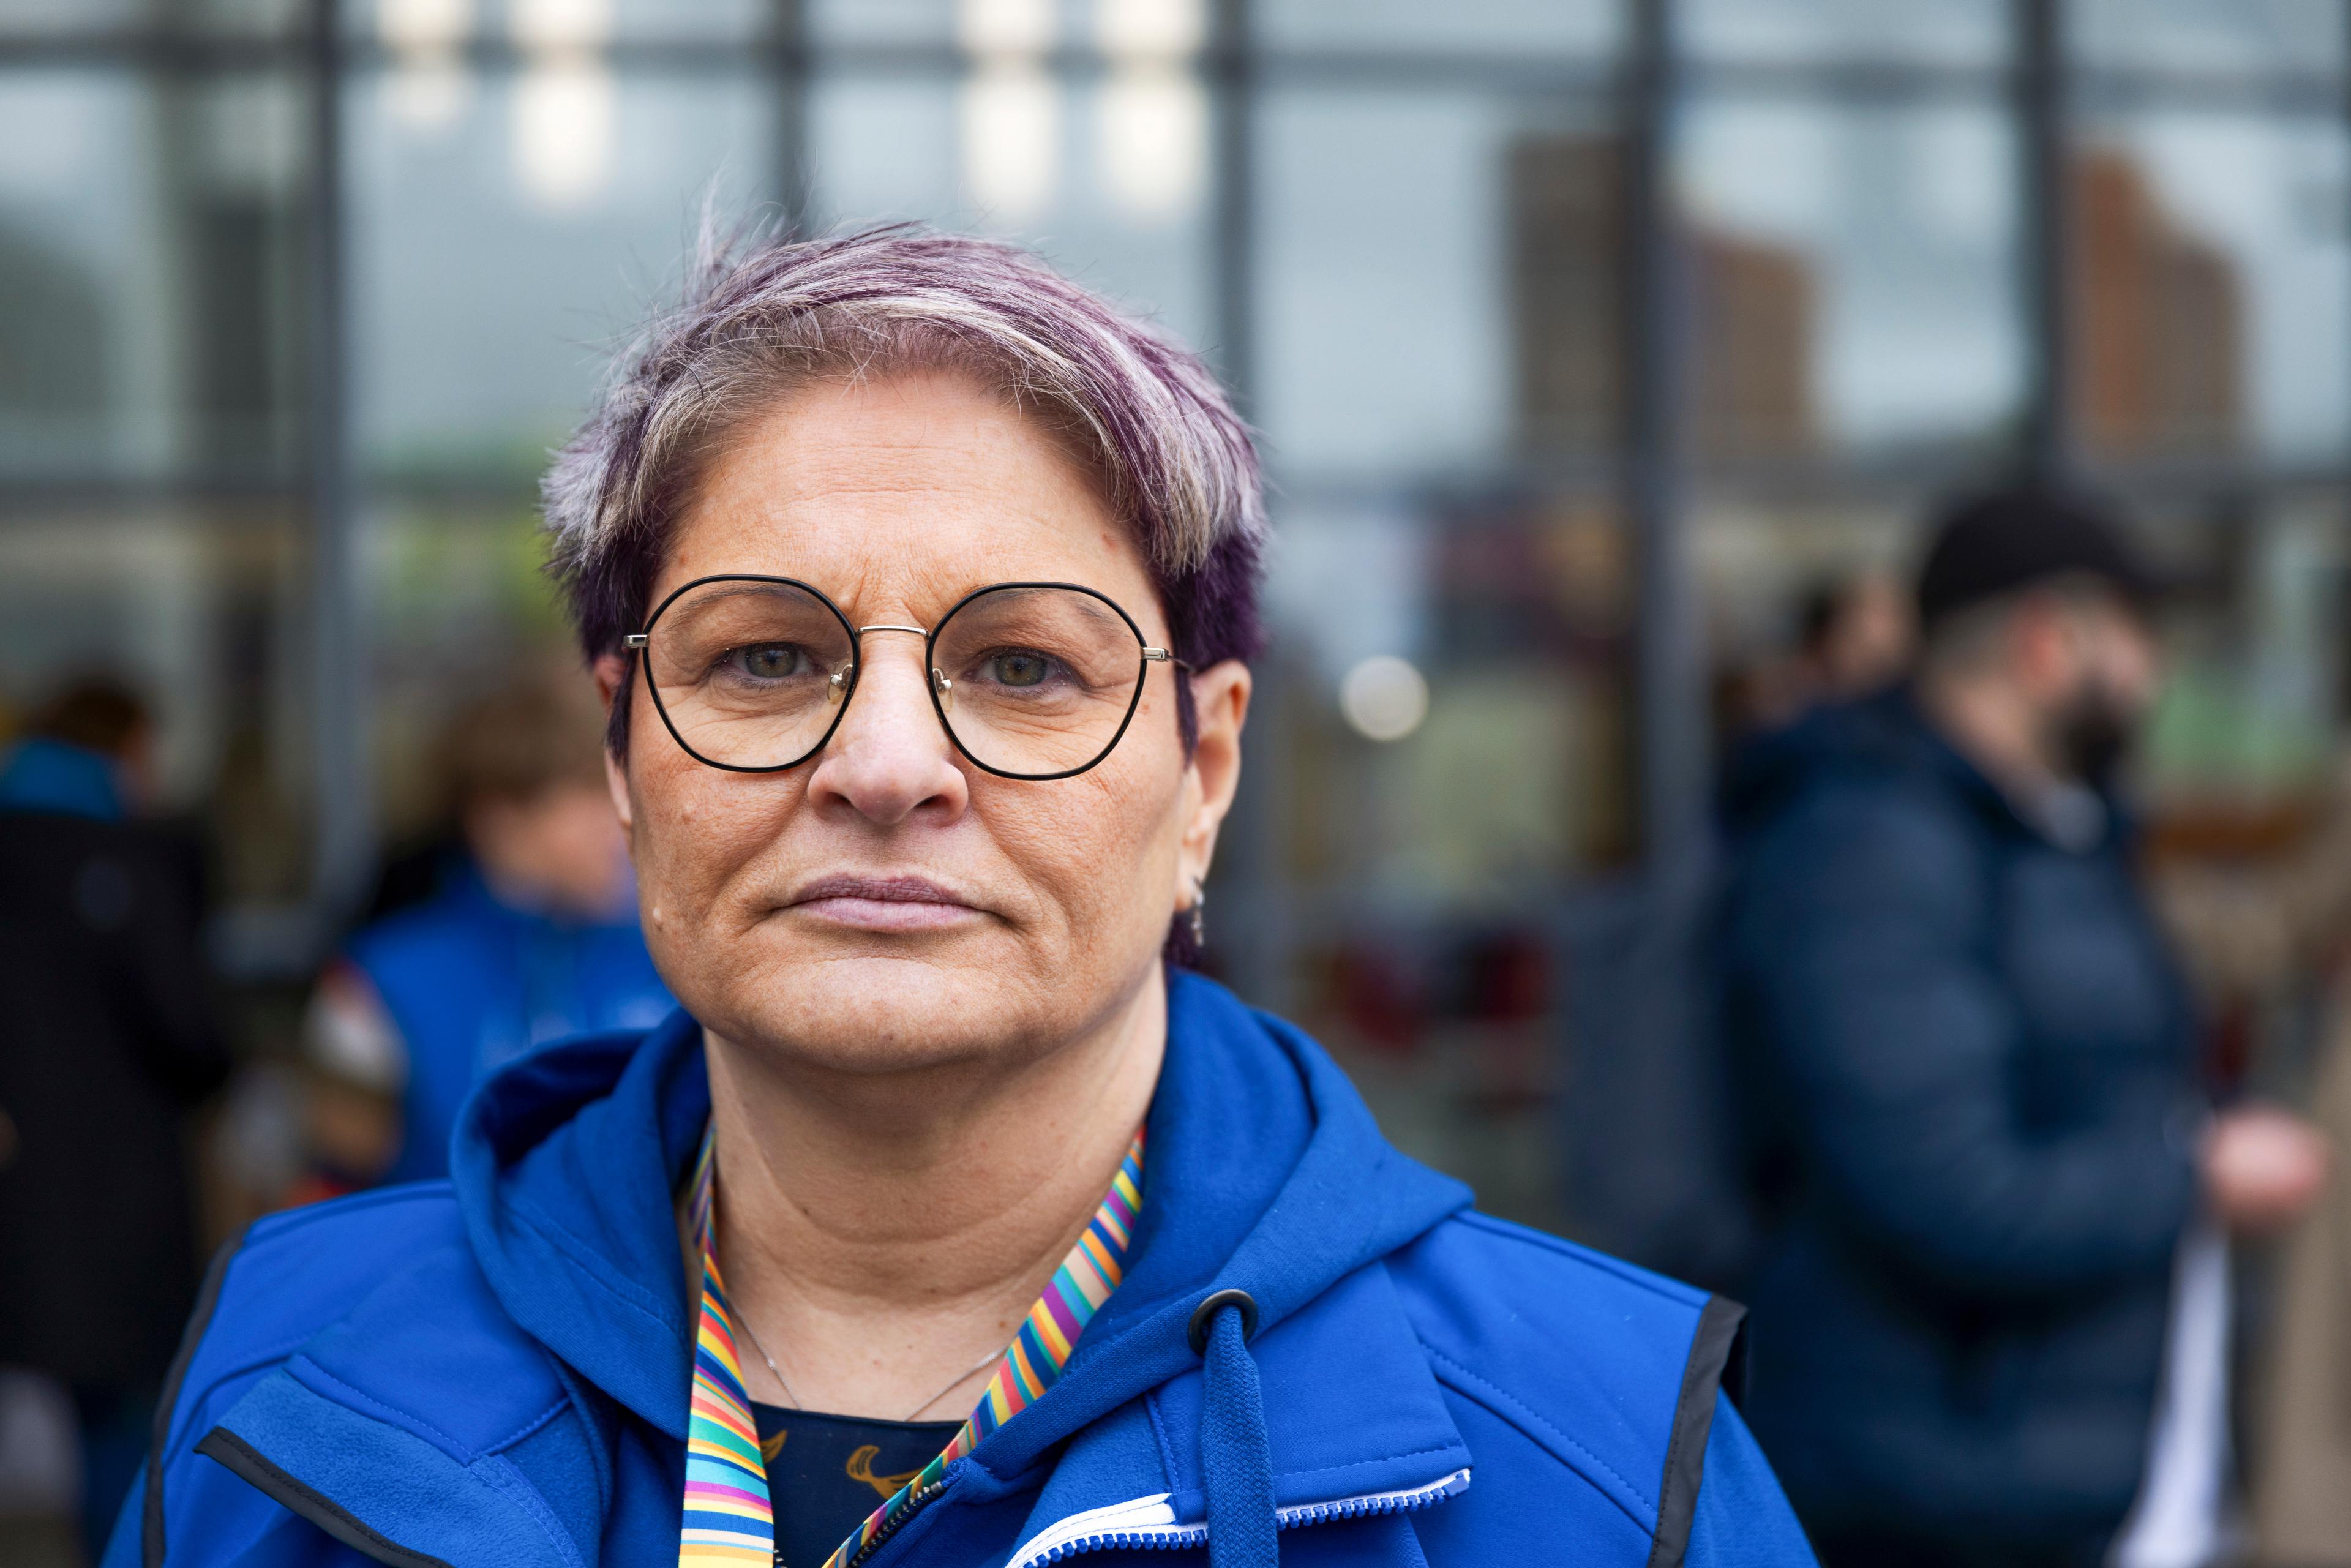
[[826, 1473]]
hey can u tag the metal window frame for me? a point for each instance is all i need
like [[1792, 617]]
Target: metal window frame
[[1650, 79]]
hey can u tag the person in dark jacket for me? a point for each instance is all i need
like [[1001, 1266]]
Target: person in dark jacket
[[950, 1221], [1981, 1066], [108, 1038]]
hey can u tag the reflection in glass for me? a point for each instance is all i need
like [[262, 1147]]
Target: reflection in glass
[[2206, 35], [1938, 31], [1592, 27], [563, 110], [430, 88], [1154, 110], [200, 614], [880, 21], [147, 235], [1855, 286], [1510, 764], [1123, 218], [1407, 248], [1568, 251], [626, 20], [494, 258], [457, 604], [1011, 115], [2211, 286], [2249, 714]]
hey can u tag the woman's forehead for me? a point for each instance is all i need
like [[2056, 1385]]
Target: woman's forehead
[[901, 493]]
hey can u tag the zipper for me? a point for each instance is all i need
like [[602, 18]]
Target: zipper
[[915, 1502], [1148, 1523]]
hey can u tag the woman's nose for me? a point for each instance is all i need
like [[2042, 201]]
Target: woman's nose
[[891, 759]]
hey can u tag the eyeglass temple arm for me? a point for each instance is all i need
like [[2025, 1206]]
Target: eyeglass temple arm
[[1163, 656]]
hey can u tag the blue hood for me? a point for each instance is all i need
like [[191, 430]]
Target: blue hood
[[565, 1165], [496, 1369]]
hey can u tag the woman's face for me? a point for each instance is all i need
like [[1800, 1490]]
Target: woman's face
[[885, 904]]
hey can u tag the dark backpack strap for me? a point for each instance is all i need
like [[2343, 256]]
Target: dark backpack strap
[[1718, 1362]]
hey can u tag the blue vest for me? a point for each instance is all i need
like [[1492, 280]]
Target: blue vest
[[473, 983]]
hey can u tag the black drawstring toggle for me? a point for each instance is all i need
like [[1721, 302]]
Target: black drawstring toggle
[[1204, 1318]]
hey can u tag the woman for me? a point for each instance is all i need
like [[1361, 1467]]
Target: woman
[[947, 1223]]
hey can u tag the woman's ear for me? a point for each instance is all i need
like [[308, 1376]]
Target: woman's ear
[[611, 671], [1220, 699]]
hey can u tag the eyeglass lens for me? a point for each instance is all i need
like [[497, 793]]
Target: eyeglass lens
[[1030, 681], [1035, 680], [750, 674]]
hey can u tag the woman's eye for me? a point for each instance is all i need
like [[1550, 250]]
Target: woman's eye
[[769, 661], [1018, 668]]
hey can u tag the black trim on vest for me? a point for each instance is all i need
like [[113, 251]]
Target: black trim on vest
[[249, 1465], [1712, 1348], [151, 1519]]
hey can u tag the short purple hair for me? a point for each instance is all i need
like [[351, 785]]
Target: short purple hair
[[1136, 407]]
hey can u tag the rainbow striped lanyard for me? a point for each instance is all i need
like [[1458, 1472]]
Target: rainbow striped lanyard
[[729, 1518]]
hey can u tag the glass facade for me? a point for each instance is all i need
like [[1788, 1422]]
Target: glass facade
[[1585, 336]]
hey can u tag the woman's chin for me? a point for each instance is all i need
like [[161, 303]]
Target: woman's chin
[[879, 1001]]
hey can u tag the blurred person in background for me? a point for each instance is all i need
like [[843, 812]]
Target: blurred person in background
[[1854, 633], [530, 934], [1998, 1246], [107, 1038]]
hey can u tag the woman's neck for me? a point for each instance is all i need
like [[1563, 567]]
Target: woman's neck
[[879, 1235]]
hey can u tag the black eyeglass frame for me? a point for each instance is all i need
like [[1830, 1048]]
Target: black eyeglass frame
[[638, 643]]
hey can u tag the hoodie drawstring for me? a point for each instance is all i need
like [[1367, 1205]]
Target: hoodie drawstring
[[1235, 1453]]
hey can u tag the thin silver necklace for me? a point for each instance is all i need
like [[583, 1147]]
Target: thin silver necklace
[[982, 1364]]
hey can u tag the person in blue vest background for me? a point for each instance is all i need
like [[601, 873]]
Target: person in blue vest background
[[527, 933]]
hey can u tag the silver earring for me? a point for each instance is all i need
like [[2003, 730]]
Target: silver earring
[[1200, 914]]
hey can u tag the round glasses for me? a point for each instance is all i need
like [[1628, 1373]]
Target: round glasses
[[1031, 680]]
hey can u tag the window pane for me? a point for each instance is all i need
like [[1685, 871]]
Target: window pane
[[1401, 338], [507, 229], [992, 28], [148, 273], [1108, 175], [1550, 27], [1853, 278], [423, 28], [244, 17], [458, 608], [37, 16], [1937, 32], [202, 615], [2205, 36], [2250, 714], [887, 21], [2212, 288]]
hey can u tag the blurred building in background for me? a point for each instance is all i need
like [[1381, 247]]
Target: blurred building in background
[[1582, 335]]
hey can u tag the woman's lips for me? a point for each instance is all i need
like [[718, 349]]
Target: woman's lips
[[881, 903]]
